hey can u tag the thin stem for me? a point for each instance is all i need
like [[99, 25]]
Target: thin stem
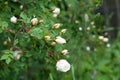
[[19, 31], [51, 77], [73, 73]]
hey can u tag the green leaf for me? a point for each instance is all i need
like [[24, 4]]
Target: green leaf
[[4, 57], [16, 42], [3, 24], [8, 60], [37, 32], [25, 17], [7, 56]]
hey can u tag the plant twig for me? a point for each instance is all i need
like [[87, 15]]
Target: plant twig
[[23, 24]]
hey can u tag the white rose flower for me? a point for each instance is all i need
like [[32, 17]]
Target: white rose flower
[[88, 48], [17, 55], [88, 28], [34, 21], [62, 65], [13, 19], [56, 11], [105, 39], [80, 28], [60, 40], [64, 52], [108, 45]]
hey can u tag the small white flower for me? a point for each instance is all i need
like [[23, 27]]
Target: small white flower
[[101, 37], [63, 65], [34, 21], [108, 45], [76, 21], [17, 55], [47, 37], [60, 40], [56, 26], [88, 28], [64, 52], [56, 11], [92, 23], [80, 28], [93, 26], [88, 48], [13, 19], [105, 39], [63, 31], [21, 6]]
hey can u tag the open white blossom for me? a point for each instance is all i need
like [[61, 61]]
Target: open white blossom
[[34, 21], [56, 11], [88, 28], [80, 28], [63, 65], [108, 45], [88, 48], [105, 39], [60, 40], [13, 19], [64, 52]]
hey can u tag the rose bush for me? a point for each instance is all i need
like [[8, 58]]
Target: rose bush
[[40, 39]]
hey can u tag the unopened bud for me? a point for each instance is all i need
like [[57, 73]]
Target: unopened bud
[[40, 21], [47, 37], [56, 26], [53, 43], [63, 31], [9, 39], [34, 21], [5, 43]]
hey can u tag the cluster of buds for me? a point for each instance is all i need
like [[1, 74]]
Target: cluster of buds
[[104, 39], [62, 64], [35, 21]]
